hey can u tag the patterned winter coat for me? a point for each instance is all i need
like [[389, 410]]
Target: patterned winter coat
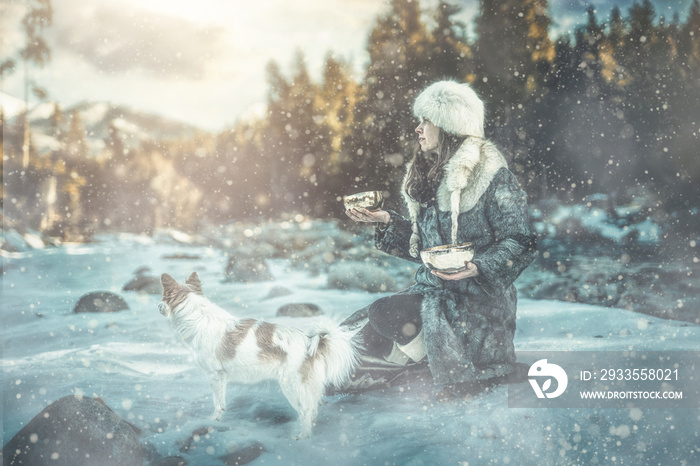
[[468, 324]]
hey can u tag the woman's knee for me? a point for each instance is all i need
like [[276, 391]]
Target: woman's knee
[[396, 317], [379, 309]]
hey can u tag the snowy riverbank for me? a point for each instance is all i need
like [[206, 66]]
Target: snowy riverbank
[[132, 360]]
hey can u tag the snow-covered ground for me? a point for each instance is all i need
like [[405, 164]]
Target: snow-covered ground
[[134, 362]]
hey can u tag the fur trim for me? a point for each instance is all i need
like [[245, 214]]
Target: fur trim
[[412, 205], [396, 356], [467, 177], [414, 242], [470, 170], [455, 198], [452, 106], [413, 210], [414, 349]]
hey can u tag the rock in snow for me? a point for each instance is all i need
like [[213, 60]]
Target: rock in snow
[[247, 269], [276, 292], [144, 284], [75, 431], [244, 455], [170, 461], [100, 301], [299, 310], [197, 435], [360, 276]]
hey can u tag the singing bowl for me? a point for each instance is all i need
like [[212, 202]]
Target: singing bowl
[[449, 258], [370, 200]]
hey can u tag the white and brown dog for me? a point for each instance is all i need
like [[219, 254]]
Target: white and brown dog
[[248, 351]]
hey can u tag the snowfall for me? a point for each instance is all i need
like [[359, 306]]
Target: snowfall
[[134, 362]]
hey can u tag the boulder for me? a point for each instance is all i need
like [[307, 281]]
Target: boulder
[[193, 440], [170, 461], [13, 241], [143, 270], [247, 269], [299, 310], [182, 256], [243, 455], [76, 431], [276, 292], [362, 276], [100, 301], [144, 284]]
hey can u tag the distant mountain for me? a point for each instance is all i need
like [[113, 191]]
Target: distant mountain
[[133, 127], [11, 106]]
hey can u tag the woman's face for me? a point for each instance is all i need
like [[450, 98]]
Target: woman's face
[[428, 135]]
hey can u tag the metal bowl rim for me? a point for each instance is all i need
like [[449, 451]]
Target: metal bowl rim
[[377, 194], [448, 248]]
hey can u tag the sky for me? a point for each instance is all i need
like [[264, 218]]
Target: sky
[[204, 62]]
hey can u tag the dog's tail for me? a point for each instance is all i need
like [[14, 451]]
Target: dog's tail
[[337, 349]]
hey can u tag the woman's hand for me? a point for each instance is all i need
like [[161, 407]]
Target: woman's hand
[[471, 271], [368, 216]]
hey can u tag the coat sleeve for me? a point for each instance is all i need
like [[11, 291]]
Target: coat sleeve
[[514, 246], [395, 238]]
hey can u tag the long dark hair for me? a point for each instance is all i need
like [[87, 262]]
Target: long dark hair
[[427, 168]]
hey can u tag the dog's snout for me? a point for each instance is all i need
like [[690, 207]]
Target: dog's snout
[[164, 308]]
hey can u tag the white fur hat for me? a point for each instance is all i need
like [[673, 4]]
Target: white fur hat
[[453, 107]]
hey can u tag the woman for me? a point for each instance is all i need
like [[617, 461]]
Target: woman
[[457, 189]]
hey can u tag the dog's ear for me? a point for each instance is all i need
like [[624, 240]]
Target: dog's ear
[[173, 292], [194, 283], [168, 282]]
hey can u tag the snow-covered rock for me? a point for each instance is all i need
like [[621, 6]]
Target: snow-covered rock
[[100, 301], [276, 292], [144, 284], [299, 310], [595, 221], [667, 291], [11, 106], [361, 276], [247, 269], [76, 431], [13, 241], [244, 455]]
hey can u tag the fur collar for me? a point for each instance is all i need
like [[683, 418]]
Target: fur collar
[[470, 171], [467, 176]]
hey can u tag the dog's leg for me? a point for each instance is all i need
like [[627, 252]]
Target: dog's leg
[[305, 399], [217, 380]]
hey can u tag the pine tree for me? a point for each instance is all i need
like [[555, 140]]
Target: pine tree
[[335, 107], [399, 67], [76, 146], [291, 137], [684, 106], [513, 57], [306, 142], [36, 51], [646, 109], [2, 156], [450, 54], [689, 43], [272, 139], [618, 30], [513, 50]]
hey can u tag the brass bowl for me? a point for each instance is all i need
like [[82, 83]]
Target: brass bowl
[[449, 258], [370, 200]]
